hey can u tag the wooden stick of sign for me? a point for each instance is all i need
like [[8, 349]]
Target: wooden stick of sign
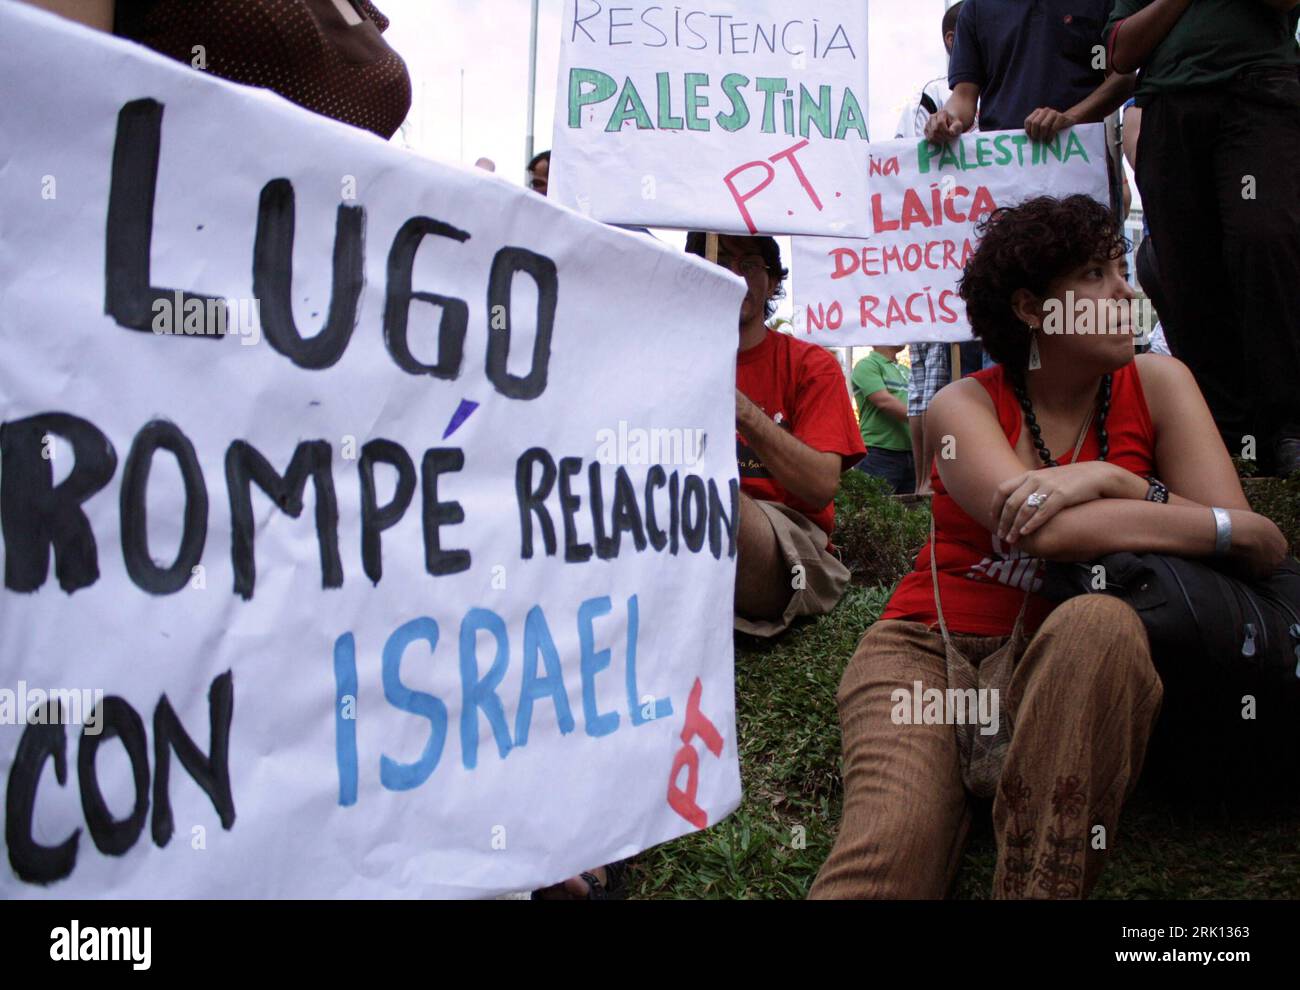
[[711, 248], [954, 357]]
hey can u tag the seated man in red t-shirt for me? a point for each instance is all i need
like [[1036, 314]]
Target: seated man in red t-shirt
[[795, 435]]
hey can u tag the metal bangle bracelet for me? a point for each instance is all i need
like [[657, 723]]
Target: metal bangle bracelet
[[1222, 531]]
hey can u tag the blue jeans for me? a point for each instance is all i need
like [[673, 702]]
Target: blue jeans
[[896, 466]]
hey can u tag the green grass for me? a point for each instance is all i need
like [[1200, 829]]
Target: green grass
[[1196, 846], [789, 766]]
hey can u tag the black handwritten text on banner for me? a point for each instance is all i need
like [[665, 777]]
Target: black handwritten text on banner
[[313, 478]]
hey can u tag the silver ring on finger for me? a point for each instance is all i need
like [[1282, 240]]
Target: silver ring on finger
[[1036, 499]]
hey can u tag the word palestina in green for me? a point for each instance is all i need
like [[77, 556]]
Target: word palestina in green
[[683, 103]]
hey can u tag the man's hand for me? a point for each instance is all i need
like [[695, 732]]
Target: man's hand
[[943, 127], [956, 117], [747, 414], [1045, 123]]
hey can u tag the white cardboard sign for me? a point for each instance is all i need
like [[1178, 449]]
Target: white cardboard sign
[[415, 581], [899, 285], [737, 117]]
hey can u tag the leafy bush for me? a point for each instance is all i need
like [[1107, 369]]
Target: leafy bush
[[877, 534]]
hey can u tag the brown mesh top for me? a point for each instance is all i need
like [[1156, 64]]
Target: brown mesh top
[[309, 51]]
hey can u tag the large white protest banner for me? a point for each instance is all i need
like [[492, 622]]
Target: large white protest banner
[[899, 285], [390, 507], [737, 117]]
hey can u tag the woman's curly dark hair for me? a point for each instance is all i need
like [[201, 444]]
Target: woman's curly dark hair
[[765, 247], [1027, 247]]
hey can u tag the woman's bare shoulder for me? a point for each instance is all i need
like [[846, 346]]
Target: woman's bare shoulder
[[1160, 371], [961, 398]]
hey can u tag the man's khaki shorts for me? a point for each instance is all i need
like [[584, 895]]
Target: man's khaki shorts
[[822, 576]]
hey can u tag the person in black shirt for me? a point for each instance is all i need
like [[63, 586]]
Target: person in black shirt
[[1036, 64]]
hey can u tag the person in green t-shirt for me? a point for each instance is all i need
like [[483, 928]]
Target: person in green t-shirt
[[1217, 167], [880, 390]]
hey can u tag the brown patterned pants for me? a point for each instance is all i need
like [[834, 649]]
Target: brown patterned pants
[[1083, 700]]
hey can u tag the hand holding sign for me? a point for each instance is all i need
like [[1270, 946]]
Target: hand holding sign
[[943, 127]]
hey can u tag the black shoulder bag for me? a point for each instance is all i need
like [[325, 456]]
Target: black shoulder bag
[[1228, 652], [1195, 613]]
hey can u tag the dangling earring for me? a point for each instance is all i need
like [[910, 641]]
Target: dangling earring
[[1035, 359]]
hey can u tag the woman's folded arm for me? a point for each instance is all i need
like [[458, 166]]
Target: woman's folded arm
[[1088, 513], [1094, 529]]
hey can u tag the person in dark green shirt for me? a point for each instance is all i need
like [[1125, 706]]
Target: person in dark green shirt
[[1217, 165], [1208, 44], [880, 390]]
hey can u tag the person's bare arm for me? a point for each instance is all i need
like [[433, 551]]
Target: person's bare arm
[[955, 117], [1045, 123], [1132, 130], [916, 425], [1100, 514], [885, 402], [809, 475], [92, 13], [1105, 99], [1138, 35], [1094, 529], [1190, 460]]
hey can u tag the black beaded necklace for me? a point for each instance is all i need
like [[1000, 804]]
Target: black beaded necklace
[[1036, 432]]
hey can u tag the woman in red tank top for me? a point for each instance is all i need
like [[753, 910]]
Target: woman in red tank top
[[1068, 449]]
